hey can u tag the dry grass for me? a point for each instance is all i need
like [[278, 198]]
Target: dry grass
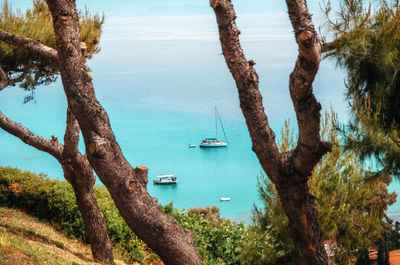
[[25, 240]]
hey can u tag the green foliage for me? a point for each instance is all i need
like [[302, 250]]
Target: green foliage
[[393, 237], [350, 209], [363, 257], [383, 251], [219, 240], [368, 46], [36, 23]]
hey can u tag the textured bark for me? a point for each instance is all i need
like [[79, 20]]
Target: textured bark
[[289, 171], [33, 46], [53, 147], [78, 173], [4, 81], [126, 185]]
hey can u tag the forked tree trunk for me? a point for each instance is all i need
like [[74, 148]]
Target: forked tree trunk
[[289, 171], [78, 172], [126, 185]]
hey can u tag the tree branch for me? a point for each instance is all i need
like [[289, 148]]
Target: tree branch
[[4, 81], [52, 147], [73, 160], [33, 46], [309, 149], [7, 81], [309, 56], [71, 136], [246, 79], [329, 46], [17, 79], [332, 45]]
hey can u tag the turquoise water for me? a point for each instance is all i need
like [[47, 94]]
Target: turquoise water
[[159, 75]]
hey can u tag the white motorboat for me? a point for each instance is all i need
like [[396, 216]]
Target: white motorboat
[[166, 180], [225, 199]]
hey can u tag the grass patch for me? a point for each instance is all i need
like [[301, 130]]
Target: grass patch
[[37, 243]]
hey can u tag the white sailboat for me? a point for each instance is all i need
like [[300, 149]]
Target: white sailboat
[[215, 142]]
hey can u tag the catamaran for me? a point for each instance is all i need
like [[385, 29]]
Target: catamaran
[[215, 142], [166, 179]]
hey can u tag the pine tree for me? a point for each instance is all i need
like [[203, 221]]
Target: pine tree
[[29, 70], [367, 46]]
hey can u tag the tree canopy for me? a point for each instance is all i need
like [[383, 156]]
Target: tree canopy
[[367, 45], [20, 65]]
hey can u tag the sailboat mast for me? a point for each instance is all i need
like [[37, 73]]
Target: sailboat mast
[[216, 123], [222, 126]]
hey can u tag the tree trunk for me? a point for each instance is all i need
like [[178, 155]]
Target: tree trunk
[[303, 228], [126, 185], [78, 173], [289, 171], [93, 219]]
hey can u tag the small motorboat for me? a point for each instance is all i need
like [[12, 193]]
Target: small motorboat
[[192, 146], [166, 180], [225, 199]]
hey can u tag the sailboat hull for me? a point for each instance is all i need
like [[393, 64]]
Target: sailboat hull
[[210, 145]]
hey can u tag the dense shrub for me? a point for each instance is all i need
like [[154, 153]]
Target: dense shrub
[[219, 240]]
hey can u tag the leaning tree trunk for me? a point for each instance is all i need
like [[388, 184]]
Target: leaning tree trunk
[[78, 172], [126, 185], [289, 171]]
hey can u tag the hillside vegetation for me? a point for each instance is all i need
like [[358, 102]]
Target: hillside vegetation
[[26, 240]]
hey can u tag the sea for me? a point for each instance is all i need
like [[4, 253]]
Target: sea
[[159, 74]]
